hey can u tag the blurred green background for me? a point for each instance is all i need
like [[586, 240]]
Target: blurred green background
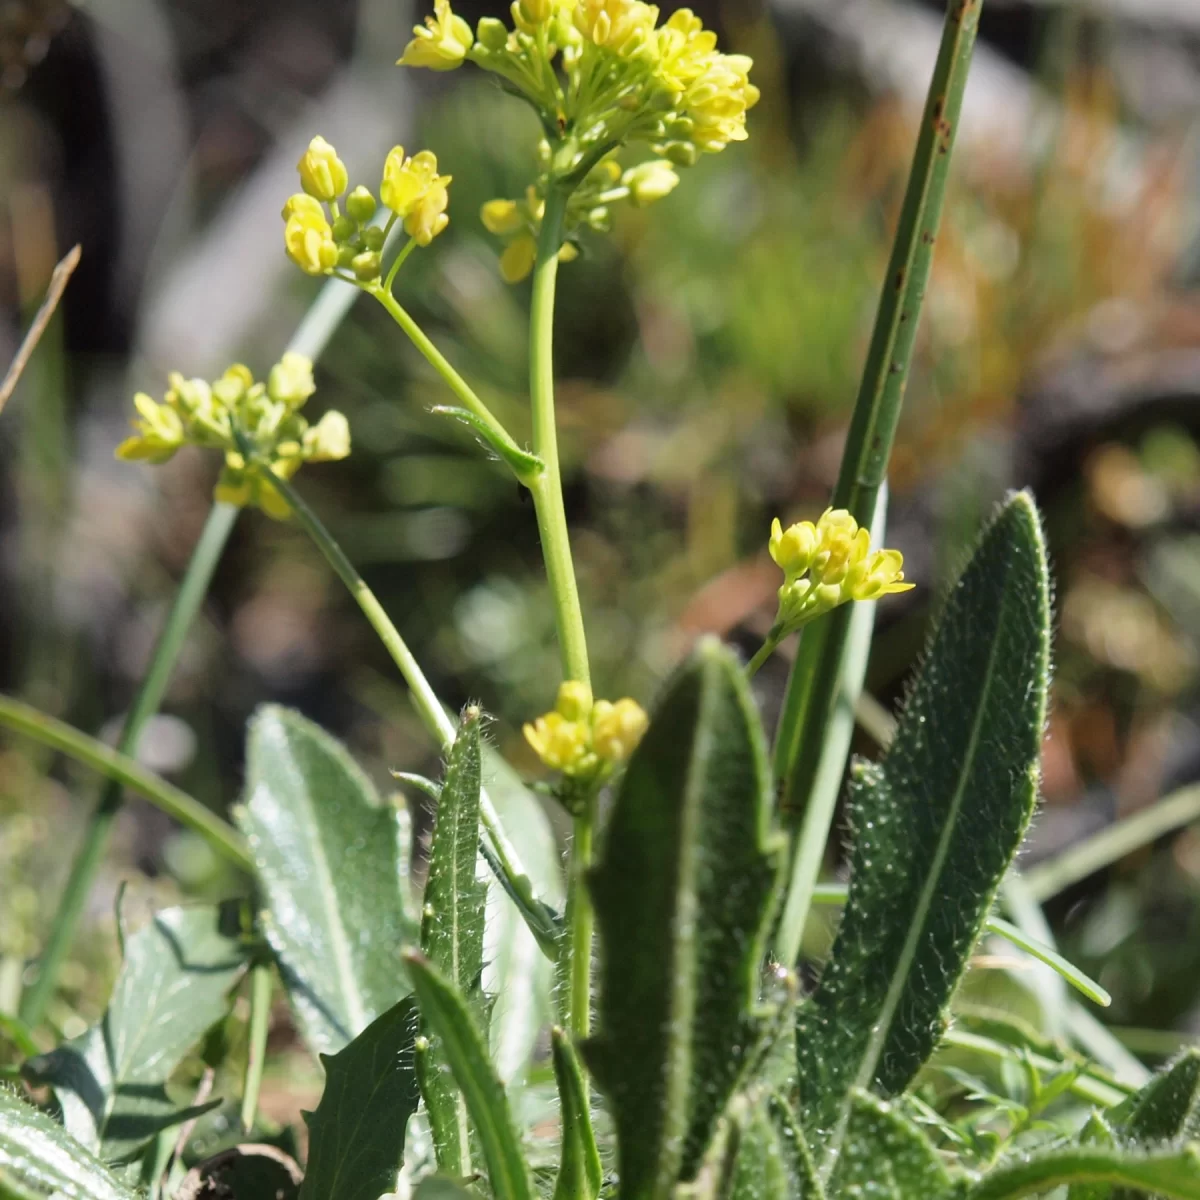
[[708, 353]]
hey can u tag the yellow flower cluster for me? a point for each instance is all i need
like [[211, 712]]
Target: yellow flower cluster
[[324, 232], [827, 564], [604, 73], [239, 416], [585, 739]]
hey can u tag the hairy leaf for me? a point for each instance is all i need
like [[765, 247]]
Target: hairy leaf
[[452, 935], [683, 896], [579, 1172], [936, 825], [356, 1135], [885, 1155], [39, 1158], [173, 986], [1168, 1107], [1171, 1173], [1095, 1132], [450, 1017], [328, 859], [773, 1158]]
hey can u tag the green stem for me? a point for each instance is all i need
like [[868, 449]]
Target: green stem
[[256, 1055], [399, 262], [813, 692], [769, 646], [145, 704], [24, 719], [576, 964], [436, 359], [429, 707]]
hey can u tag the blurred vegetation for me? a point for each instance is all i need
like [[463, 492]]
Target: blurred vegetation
[[709, 355]]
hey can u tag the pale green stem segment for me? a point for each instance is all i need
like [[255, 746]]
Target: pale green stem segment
[[813, 691], [256, 1054], [457, 384], [310, 339], [127, 772], [769, 646], [429, 708], [575, 966], [145, 704], [1110, 845]]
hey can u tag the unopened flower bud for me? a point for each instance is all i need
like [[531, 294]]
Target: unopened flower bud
[[617, 728], [322, 173], [501, 216], [327, 440], [574, 700], [360, 204], [291, 380], [344, 228], [517, 260], [650, 181], [366, 266]]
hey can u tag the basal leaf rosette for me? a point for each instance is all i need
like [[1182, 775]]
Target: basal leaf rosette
[[258, 427]]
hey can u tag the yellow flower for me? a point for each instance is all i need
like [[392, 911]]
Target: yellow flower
[[562, 745], [792, 548], [160, 432], [837, 536], [518, 258], [717, 102], [617, 728], [574, 701], [441, 43], [685, 49], [623, 26], [878, 574], [322, 173], [413, 190], [291, 380], [309, 241], [328, 440], [501, 216]]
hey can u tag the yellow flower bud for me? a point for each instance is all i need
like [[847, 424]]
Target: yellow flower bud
[[792, 548], [309, 242], [159, 432], [303, 202], [625, 27], [291, 380], [441, 43], [836, 533], [517, 260], [322, 174], [650, 181], [328, 440], [574, 700], [501, 217], [617, 728], [878, 574], [413, 190]]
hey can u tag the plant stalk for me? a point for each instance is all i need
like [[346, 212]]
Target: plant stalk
[[256, 1054], [145, 704], [813, 691], [576, 963], [429, 707]]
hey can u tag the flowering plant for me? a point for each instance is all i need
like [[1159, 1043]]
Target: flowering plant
[[660, 982]]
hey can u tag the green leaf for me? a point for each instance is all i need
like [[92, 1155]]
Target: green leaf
[[579, 1172], [328, 858], [466, 1051], [173, 986], [937, 823], [1171, 1173], [526, 466], [1168, 1107], [39, 1158], [1095, 1132], [356, 1135], [773, 1158], [885, 1154], [683, 894], [452, 934]]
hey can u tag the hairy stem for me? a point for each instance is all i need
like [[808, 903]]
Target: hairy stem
[[145, 704]]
